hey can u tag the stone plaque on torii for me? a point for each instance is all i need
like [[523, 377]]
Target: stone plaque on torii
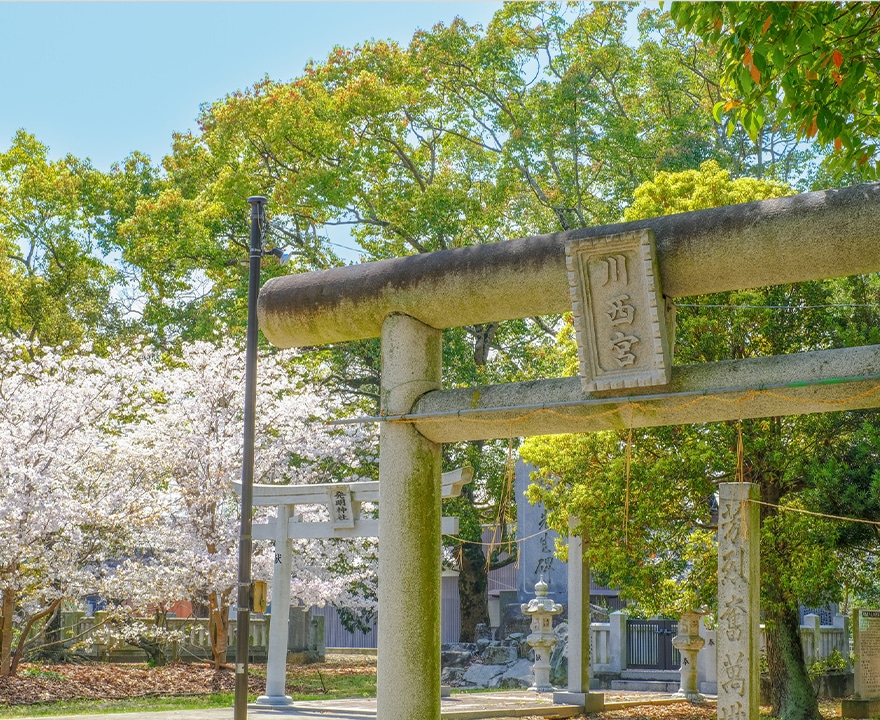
[[408, 301], [343, 502]]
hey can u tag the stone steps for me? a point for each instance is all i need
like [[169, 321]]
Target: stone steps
[[661, 681], [658, 686]]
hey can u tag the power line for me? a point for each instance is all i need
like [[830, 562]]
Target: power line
[[776, 307]]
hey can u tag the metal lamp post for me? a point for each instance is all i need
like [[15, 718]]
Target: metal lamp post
[[245, 545]]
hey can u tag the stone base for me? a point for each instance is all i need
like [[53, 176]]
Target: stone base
[[694, 697], [591, 702], [445, 691], [275, 700], [860, 708]]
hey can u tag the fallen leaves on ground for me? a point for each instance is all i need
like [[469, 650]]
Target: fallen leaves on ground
[[678, 711], [94, 681]]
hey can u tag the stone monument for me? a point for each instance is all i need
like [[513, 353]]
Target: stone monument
[[866, 636], [738, 635]]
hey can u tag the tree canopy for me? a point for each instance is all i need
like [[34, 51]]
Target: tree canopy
[[814, 63]]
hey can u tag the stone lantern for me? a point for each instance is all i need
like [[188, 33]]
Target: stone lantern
[[688, 642], [541, 610]]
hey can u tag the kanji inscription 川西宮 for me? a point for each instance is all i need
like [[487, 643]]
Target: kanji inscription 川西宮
[[623, 328]]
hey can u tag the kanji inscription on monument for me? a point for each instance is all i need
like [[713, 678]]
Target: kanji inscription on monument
[[738, 583], [620, 315], [866, 636]]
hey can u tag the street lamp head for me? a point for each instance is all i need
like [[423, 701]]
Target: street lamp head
[[282, 255]]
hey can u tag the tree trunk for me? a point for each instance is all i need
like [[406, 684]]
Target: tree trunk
[[6, 612], [791, 692], [218, 629], [473, 584], [26, 632]]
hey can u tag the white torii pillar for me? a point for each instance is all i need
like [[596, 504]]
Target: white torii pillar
[[284, 528], [276, 666]]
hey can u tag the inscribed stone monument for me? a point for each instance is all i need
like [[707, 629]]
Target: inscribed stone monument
[[866, 637], [738, 583]]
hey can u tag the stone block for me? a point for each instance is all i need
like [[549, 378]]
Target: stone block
[[499, 655], [834, 685], [487, 676], [590, 702], [451, 675], [854, 708], [456, 658], [519, 674]]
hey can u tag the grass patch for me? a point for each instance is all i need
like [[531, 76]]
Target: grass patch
[[331, 687], [129, 705]]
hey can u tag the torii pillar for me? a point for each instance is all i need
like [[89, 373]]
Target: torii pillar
[[408, 674]]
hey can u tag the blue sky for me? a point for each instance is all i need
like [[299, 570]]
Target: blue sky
[[100, 79]]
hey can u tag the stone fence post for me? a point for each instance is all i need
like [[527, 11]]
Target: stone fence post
[[618, 640], [70, 625], [811, 637], [316, 636], [707, 670]]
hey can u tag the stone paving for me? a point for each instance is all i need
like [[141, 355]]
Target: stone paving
[[459, 706]]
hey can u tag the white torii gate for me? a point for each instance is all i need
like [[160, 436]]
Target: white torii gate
[[408, 301], [343, 501]]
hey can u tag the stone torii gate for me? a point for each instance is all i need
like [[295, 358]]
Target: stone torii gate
[[408, 301]]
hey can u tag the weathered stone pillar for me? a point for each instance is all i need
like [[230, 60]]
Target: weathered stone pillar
[[866, 638], [579, 670], [276, 664], [408, 678], [738, 637]]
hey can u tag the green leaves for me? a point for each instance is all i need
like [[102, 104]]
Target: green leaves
[[54, 286], [815, 61]]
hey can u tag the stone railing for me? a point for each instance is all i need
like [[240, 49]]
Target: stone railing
[[92, 638], [608, 645], [819, 641]]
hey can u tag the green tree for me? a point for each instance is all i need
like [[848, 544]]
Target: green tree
[[55, 285], [627, 480], [816, 62]]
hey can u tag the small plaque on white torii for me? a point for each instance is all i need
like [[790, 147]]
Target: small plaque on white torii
[[623, 325], [340, 506]]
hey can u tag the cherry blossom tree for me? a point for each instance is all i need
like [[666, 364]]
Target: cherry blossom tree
[[67, 501], [118, 480], [190, 446]]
